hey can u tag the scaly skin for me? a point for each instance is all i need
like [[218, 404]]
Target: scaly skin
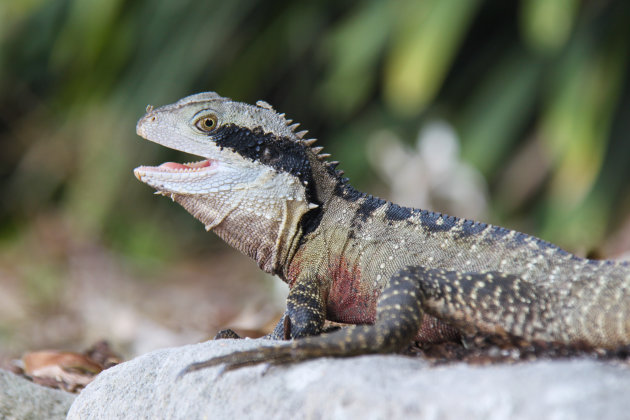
[[395, 272]]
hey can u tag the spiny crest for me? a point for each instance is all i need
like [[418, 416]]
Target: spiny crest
[[332, 165], [264, 104], [300, 134]]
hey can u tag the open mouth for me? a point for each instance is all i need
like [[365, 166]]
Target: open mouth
[[174, 167], [185, 167]]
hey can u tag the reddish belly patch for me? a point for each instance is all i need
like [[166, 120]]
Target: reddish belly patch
[[349, 300]]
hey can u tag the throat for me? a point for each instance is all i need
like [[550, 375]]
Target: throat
[[266, 238], [258, 243]]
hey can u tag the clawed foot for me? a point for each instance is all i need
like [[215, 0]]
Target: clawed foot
[[273, 355]]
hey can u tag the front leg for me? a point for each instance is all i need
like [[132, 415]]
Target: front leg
[[304, 316], [306, 311], [398, 318]]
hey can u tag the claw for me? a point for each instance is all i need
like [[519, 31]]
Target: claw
[[233, 361], [206, 364]]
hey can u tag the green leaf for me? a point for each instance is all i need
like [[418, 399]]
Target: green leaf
[[428, 36], [546, 24], [500, 106]]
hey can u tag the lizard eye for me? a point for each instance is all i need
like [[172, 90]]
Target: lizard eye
[[206, 123]]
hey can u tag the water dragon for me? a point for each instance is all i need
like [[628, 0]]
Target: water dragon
[[393, 273]]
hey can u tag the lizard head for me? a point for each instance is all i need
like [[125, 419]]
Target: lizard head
[[254, 181]]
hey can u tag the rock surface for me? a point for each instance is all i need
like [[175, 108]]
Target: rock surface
[[369, 387], [22, 399]]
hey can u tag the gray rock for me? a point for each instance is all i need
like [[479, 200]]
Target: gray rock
[[367, 387], [22, 399]]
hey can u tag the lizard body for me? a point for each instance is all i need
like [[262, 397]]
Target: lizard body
[[395, 272]]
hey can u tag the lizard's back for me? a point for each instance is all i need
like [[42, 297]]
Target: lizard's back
[[481, 277]]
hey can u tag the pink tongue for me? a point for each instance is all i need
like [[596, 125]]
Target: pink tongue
[[173, 165]]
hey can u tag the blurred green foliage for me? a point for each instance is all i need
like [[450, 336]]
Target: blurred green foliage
[[75, 75]]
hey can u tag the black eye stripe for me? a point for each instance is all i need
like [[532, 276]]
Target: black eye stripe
[[281, 153]]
